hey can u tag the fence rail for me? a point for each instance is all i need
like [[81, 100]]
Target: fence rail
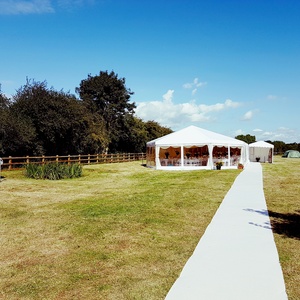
[[12, 163]]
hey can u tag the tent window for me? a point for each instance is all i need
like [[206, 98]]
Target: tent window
[[235, 155], [170, 156], [220, 152], [195, 156]]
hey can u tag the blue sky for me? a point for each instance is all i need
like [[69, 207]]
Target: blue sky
[[230, 66]]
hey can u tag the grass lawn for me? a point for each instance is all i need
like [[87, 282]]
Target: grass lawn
[[282, 192], [122, 231]]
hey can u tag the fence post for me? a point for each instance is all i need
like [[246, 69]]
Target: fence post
[[97, 158], [56, 158], [43, 159], [9, 163], [69, 159], [79, 159], [89, 159], [27, 160]]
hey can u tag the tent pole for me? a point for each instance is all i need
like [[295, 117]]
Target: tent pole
[[210, 153], [182, 157], [157, 157], [228, 156]]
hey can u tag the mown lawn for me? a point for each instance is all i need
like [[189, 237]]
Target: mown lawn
[[282, 192], [122, 231]]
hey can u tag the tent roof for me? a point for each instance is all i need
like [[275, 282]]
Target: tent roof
[[291, 153], [193, 135], [261, 144]]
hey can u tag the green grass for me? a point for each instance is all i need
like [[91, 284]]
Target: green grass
[[282, 190], [121, 231]]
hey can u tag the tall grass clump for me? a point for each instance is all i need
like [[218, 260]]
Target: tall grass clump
[[53, 171]]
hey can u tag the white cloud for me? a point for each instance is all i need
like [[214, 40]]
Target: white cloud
[[288, 135], [194, 91], [239, 132], [168, 96], [257, 130], [194, 85], [271, 97], [170, 114], [15, 7], [187, 85], [284, 134], [71, 3], [199, 84], [248, 115]]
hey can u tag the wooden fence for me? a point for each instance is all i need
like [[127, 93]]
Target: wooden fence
[[11, 163]]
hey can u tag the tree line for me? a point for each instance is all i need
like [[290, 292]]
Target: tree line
[[38, 120], [279, 146]]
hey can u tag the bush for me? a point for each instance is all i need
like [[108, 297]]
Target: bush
[[53, 171]]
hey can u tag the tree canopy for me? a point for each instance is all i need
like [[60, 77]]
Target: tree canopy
[[107, 95], [39, 120], [246, 138], [43, 121]]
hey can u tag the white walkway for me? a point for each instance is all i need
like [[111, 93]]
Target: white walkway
[[236, 258]]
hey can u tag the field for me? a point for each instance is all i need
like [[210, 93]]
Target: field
[[282, 192], [123, 231]]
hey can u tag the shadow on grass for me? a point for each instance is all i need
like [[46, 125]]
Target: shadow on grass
[[286, 224]]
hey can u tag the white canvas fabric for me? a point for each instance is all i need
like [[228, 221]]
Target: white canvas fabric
[[261, 150], [195, 136]]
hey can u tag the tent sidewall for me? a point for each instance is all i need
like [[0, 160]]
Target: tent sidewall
[[243, 158]]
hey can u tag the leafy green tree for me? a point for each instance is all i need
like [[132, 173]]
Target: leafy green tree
[[42, 121], [292, 146], [62, 123], [246, 138], [134, 138], [155, 130], [4, 101], [108, 96], [279, 147], [16, 133]]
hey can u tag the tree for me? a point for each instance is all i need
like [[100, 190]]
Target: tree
[[107, 95], [155, 130], [62, 123], [42, 121], [16, 133], [134, 138], [4, 101], [246, 138], [279, 147]]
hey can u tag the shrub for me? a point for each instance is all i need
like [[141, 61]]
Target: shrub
[[53, 171]]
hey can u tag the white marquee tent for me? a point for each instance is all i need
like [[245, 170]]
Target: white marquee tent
[[196, 148], [261, 151]]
